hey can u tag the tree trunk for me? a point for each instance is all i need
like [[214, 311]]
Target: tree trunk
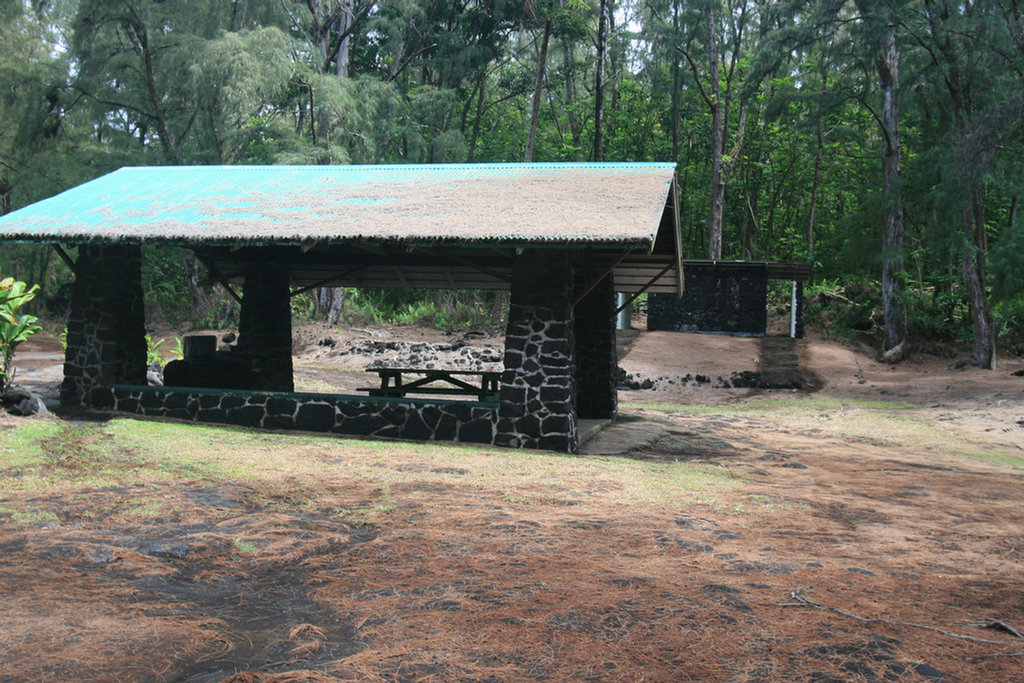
[[191, 264], [478, 116], [717, 142], [329, 301], [815, 189], [570, 92], [141, 44], [538, 91], [974, 278], [238, 14], [893, 295], [677, 87], [345, 20], [5, 195], [819, 157], [602, 26]]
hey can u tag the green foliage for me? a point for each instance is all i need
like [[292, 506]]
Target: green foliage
[[447, 311], [1007, 268], [92, 85], [845, 312], [153, 351], [164, 284], [442, 309], [303, 306], [938, 318], [15, 327], [220, 312]]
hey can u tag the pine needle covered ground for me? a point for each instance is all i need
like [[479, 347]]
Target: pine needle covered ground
[[769, 541]]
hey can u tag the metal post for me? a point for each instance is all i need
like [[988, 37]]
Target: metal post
[[624, 317]]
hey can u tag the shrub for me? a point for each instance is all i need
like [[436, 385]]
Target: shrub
[[14, 328]]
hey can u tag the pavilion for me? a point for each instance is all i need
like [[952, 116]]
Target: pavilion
[[562, 238]]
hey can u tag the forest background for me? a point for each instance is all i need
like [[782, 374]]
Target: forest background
[[883, 141]]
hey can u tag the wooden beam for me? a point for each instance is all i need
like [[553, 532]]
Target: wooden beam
[[65, 258], [337, 277], [589, 288], [645, 288], [233, 293], [468, 263]]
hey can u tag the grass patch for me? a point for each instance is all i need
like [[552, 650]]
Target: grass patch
[[329, 367], [244, 546], [316, 386], [365, 515], [771, 406], [34, 516], [987, 455], [20, 443], [882, 424], [296, 471]]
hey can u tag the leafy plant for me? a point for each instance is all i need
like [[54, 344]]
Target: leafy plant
[[153, 351], [14, 328]]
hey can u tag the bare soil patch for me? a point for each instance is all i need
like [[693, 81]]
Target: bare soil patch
[[866, 526]]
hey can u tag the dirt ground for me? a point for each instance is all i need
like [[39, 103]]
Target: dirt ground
[[858, 522]]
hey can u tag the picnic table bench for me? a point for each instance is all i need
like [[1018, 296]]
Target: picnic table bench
[[396, 382]]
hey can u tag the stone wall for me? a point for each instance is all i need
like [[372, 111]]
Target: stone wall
[[727, 300], [412, 419], [106, 339], [538, 387]]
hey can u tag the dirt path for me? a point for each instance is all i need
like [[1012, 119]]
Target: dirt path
[[867, 527]]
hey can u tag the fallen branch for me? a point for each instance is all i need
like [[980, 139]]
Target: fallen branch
[[996, 625], [804, 601]]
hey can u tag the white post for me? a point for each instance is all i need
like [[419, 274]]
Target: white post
[[792, 312], [625, 317]]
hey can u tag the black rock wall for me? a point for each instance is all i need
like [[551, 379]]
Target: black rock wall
[[727, 300], [411, 419], [106, 339]]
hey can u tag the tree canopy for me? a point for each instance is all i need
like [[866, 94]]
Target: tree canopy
[[880, 140]]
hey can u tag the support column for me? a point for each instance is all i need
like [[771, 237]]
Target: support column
[[596, 360], [796, 311], [538, 390], [265, 327], [106, 338], [625, 317]]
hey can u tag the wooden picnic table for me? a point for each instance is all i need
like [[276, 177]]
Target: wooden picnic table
[[396, 382]]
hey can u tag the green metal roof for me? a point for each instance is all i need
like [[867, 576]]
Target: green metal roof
[[606, 203]]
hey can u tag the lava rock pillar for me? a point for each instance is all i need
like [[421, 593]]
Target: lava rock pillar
[[596, 361], [538, 387], [106, 335], [265, 327]]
